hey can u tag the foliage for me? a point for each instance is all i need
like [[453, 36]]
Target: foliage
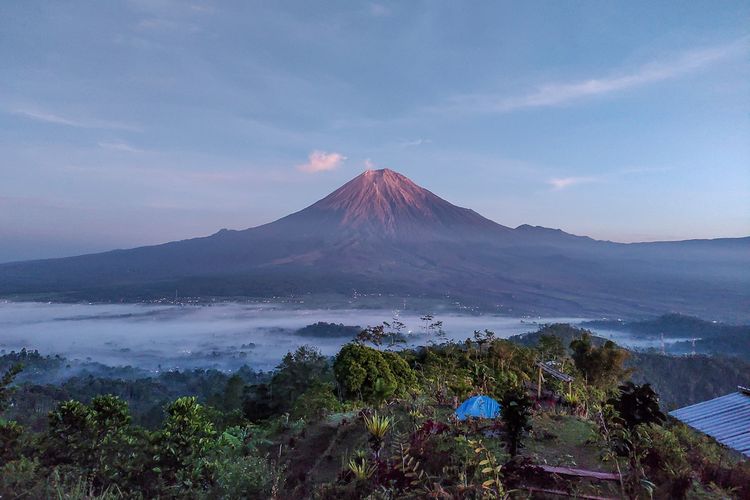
[[490, 469], [5, 382], [316, 403], [182, 443], [515, 412], [550, 348], [600, 366], [361, 469], [205, 446], [368, 374], [240, 471], [321, 329], [97, 437], [377, 426], [296, 373], [637, 405]]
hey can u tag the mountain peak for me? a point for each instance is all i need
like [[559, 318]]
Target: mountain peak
[[385, 202]]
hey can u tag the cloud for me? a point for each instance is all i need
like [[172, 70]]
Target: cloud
[[415, 142], [559, 183], [369, 165], [120, 146], [47, 117], [320, 161], [558, 94]]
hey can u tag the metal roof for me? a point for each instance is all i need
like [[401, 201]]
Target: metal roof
[[726, 419], [555, 372]]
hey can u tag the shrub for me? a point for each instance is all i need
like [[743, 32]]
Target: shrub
[[316, 403], [364, 373]]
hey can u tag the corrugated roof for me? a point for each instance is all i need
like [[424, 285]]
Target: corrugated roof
[[555, 372], [726, 419]]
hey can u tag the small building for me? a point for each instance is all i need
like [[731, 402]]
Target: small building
[[726, 419]]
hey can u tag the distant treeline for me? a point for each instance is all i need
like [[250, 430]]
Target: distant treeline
[[711, 338], [672, 325], [322, 329]]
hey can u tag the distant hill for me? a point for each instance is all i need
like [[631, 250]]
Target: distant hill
[[382, 234], [673, 325], [321, 329]]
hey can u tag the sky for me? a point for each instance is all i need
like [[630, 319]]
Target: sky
[[139, 122]]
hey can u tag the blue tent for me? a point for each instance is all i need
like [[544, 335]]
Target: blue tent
[[479, 407]]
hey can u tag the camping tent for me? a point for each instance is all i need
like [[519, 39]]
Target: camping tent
[[479, 407]]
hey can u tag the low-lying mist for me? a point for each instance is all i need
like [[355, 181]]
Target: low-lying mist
[[224, 336]]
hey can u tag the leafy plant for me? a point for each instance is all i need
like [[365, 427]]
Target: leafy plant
[[360, 469], [377, 426], [515, 414], [637, 405], [490, 470]]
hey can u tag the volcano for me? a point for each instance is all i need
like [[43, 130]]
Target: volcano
[[386, 204], [382, 234]]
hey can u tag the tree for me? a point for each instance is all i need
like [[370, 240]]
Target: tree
[[5, 388], [296, 373], [371, 375], [372, 334], [317, 402], [601, 366], [550, 347], [394, 334], [233, 396], [637, 405], [515, 412], [433, 328], [96, 437], [183, 442]]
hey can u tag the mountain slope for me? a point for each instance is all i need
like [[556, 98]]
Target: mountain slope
[[381, 233]]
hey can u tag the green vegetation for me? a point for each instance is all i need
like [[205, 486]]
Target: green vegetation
[[671, 325], [369, 423], [322, 329], [710, 337]]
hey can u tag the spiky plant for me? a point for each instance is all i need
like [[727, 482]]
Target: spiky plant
[[360, 469], [377, 426]]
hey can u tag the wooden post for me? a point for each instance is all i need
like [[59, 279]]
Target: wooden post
[[539, 385]]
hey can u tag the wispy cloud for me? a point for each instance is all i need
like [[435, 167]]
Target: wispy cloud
[[48, 117], [320, 161], [414, 142], [120, 146], [559, 183], [559, 94], [369, 164]]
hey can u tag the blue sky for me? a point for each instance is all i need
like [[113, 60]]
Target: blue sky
[[131, 123]]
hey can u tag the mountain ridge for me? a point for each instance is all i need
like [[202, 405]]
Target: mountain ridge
[[382, 233]]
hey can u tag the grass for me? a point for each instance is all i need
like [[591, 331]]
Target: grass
[[564, 440]]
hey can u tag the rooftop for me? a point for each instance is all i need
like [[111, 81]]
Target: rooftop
[[726, 419]]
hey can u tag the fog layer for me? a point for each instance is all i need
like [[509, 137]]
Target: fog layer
[[223, 336]]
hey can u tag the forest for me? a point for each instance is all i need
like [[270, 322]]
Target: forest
[[374, 421], [705, 337]]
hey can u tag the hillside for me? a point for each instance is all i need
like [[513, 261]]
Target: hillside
[[369, 422]]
